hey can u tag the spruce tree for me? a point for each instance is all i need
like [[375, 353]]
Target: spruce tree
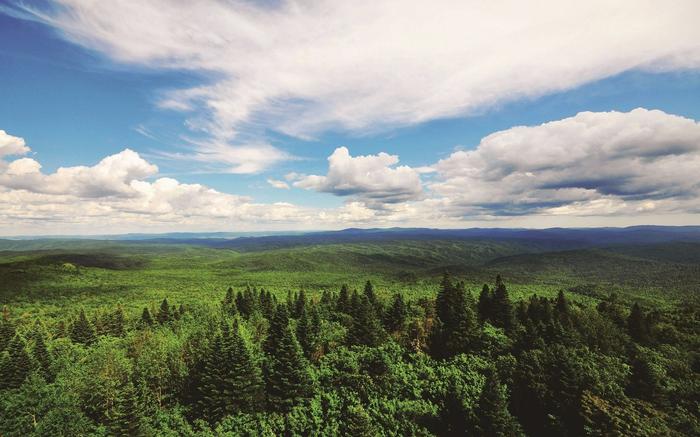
[[83, 331], [300, 303], [636, 324], [370, 294], [397, 313], [42, 357], [304, 334], [164, 315], [366, 329], [146, 318], [287, 375], [343, 304], [116, 326], [126, 415], [492, 411], [243, 376], [17, 364], [212, 391], [502, 315], [229, 302], [485, 304]]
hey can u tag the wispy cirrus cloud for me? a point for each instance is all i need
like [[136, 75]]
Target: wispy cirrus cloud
[[301, 68]]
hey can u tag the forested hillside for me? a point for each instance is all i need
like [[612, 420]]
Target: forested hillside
[[356, 363], [144, 338]]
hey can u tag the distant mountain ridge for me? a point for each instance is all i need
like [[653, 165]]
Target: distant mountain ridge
[[544, 239]]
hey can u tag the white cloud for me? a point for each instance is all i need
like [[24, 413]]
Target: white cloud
[[239, 159], [304, 67], [373, 178], [278, 184], [595, 163], [110, 177], [10, 145]]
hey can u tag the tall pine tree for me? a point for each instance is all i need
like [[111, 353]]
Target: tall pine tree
[[287, 376], [17, 364], [82, 330]]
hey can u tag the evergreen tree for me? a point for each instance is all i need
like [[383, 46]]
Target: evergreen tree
[[494, 417], [278, 324], [267, 304], [211, 390], [164, 314], [502, 315], [304, 335], [343, 304], [485, 304], [454, 330], [370, 294], [16, 366], [397, 313], [299, 304], [243, 375], [42, 357], [229, 302], [82, 331], [636, 325], [116, 325], [126, 415], [287, 375], [146, 318], [366, 329]]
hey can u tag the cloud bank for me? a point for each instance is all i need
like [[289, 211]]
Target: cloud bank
[[626, 167], [305, 67]]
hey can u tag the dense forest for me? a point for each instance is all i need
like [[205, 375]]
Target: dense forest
[[356, 363]]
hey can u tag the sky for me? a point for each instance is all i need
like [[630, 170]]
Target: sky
[[168, 115]]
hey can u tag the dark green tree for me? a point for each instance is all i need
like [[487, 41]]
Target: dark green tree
[[343, 303], [16, 366], [126, 415], [164, 314], [485, 304], [82, 330], [287, 376], [502, 315], [637, 324], [299, 303], [370, 294], [116, 322], [229, 302], [396, 315], [42, 356], [492, 411], [146, 318], [366, 329]]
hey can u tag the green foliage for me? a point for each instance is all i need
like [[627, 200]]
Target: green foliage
[[83, 331], [287, 375], [561, 350], [15, 365]]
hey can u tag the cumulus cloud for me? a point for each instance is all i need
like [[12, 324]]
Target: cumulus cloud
[[122, 193], [11, 145], [373, 178], [595, 163], [301, 68], [112, 176]]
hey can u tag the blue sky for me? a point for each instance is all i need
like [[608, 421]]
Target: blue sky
[[75, 90]]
